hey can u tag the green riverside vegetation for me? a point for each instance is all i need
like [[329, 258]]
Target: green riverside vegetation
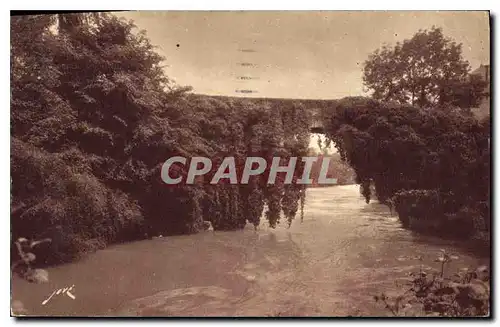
[[93, 118]]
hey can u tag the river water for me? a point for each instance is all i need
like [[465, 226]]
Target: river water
[[331, 264]]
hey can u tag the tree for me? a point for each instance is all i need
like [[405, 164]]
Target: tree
[[93, 118], [427, 71], [432, 165], [86, 96]]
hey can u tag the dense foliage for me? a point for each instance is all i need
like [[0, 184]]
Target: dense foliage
[[433, 166], [93, 118], [426, 71], [421, 147]]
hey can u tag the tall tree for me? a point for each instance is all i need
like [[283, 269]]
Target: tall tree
[[427, 70], [93, 119]]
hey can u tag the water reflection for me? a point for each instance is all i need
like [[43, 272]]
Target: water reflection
[[331, 264]]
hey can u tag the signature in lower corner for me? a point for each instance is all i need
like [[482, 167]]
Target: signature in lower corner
[[61, 291]]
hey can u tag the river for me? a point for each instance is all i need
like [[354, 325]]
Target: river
[[331, 264]]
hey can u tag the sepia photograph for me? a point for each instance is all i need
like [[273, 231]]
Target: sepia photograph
[[277, 164]]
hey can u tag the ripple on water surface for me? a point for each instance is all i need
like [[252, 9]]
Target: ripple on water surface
[[330, 264]]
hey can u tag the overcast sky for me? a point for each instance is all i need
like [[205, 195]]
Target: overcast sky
[[315, 55]]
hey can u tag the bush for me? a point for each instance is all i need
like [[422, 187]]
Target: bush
[[418, 208], [75, 210], [432, 164], [465, 293]]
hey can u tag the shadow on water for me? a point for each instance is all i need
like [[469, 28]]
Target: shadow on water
[[437, 239]]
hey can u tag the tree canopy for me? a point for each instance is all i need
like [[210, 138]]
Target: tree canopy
[[94, 117], [433, 166], [426, 71]]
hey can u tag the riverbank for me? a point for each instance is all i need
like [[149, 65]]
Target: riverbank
[[332, 264], [433, 224], [479, 242]]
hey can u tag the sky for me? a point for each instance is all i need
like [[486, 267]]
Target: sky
[[309, 55], [302, 55]]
